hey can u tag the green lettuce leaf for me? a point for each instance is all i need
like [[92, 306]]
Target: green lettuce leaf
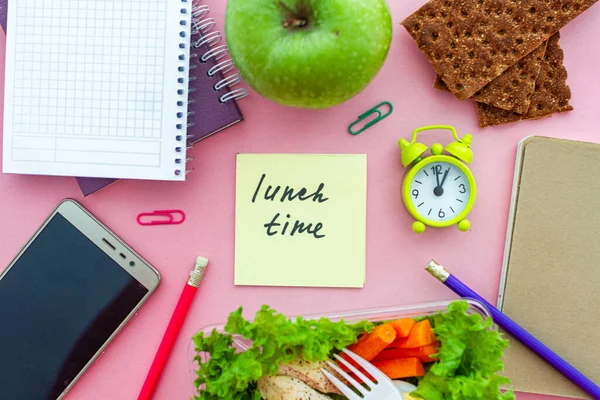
[[469, 358], [228, 375]]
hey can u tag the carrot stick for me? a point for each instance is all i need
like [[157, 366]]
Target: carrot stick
[[401, 367], [403, 327], [420, 335], [372, 344], [424, 353]]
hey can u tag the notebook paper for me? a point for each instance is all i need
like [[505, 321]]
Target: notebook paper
[[97, 88], [209, 70]]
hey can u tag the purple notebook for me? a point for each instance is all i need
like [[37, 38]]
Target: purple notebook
[[212, 96], [3, 13]]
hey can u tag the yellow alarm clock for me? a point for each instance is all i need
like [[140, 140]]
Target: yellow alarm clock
[[438, 190]]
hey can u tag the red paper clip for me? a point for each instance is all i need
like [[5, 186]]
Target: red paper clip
[[161, 217]]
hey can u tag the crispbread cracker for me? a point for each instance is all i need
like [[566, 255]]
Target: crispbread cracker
[[552, 94], [512, 90], [440, 85], [471, 42]]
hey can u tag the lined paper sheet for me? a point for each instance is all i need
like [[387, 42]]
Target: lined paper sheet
[[96, 88]]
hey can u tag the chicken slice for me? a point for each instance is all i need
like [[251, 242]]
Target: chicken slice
[[310, 373], [287, 388]]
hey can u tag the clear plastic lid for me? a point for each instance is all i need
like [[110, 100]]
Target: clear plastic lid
[[373, 315]]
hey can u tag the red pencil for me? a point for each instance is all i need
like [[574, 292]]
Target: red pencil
[[168, 341]]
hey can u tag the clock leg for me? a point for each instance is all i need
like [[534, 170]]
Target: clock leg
[[418, 227], [464, 225]]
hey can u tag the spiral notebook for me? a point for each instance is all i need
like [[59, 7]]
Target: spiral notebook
[[214, 88], [212, 91], [97, 88]]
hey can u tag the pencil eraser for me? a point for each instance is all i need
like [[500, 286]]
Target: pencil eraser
[[201, 261]]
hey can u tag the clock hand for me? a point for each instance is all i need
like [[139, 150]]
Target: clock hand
[[439, 190], [444, 178], [437, 176]]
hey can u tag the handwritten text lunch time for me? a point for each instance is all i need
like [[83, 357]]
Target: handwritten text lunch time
[[277, 224]]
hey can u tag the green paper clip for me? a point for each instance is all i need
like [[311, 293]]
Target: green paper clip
[[365, 115]]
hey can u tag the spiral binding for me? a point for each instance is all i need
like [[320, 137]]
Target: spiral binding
[[181, 103], [204, 26], [209, 40]]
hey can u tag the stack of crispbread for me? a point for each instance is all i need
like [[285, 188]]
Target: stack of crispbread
[[503, 54]]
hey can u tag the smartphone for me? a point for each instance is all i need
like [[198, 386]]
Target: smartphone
[[64, 297]]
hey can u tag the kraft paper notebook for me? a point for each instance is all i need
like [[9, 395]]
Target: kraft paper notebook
[[551, 275], [97, 88]]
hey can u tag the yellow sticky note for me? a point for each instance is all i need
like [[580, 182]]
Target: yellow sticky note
[[301, 220]]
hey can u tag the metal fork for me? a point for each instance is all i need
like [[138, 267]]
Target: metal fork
[[381, 389]]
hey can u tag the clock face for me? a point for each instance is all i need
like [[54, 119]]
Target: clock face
[[439, 191]]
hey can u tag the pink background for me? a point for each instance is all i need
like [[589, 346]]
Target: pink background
[[395, 255]]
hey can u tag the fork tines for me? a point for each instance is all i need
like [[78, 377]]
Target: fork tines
[[347, 391]]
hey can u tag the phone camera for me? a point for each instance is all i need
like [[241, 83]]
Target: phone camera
[[132, 263]]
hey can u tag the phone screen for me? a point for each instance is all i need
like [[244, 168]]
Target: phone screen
[[59, 303]]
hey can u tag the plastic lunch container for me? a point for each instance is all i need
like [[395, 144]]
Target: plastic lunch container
[[373, 315]]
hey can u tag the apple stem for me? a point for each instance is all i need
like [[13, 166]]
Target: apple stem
[[295, 23], [293, 19]]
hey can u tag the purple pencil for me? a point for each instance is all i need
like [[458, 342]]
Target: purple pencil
[[516, 331]]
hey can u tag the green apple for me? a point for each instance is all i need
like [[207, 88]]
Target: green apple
[[308, 53]]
